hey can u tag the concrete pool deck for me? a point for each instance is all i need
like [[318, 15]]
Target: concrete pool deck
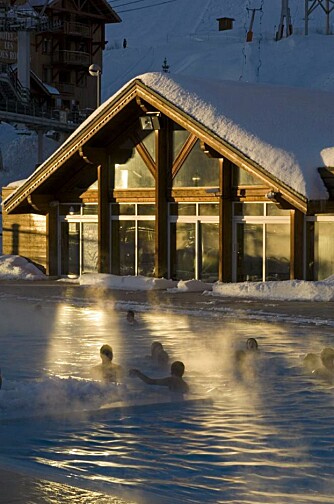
[[19, 488], [270, 310]]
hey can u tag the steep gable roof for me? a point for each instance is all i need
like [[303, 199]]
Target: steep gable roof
[[282, 135]]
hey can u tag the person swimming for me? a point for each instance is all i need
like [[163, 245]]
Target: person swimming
[[130, 317], [107, 371], [174, 382], [158, 356], [326, 371], [252, 344], [244, 360]]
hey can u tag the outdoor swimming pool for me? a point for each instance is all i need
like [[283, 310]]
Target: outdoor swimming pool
[[266, 437]]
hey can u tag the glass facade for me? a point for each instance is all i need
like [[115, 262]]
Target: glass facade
[[194, 241], [78, 239], [261, 242], [249, 252], [132, 239], [89, 238], [179, 138], [198, 170], [70, 248], [320, 250], [241, 177]]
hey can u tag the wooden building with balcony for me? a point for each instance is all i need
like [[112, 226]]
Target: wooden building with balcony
[[72, 40], [184, 178], [56, 41]]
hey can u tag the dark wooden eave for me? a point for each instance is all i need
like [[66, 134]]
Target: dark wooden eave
[[327, 175], [95, 132]]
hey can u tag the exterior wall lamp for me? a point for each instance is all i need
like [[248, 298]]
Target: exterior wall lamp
[[95, 71], [273, 196], [150, 121]]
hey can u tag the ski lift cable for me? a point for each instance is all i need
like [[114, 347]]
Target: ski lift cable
[[259, 43], [127, 3], [137, 1], [146, 7], [244, 57]]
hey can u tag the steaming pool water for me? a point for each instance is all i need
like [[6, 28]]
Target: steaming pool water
[[265, 436]]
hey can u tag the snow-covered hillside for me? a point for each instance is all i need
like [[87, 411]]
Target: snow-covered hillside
[[185, 32]]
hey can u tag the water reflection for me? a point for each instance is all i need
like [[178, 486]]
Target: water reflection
[[265, 437]]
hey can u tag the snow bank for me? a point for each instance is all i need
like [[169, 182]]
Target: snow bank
[[140, 283], [193, 286], [13, 267], [18, 268], [290, 290]]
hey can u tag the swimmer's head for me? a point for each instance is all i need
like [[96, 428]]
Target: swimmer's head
[[177, 369], [327, 358], [130, 316], [156, 348], [251, 344], [106, 352]]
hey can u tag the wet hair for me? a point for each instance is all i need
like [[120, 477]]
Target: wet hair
[[251, 344], [327, 357], [107, 351], [177, 368], [156, 346]]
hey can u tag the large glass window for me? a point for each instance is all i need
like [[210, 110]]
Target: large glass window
[[209, 257], [179, 138], [320, 240], [194, 241], [123, 247], [277, 237], [249, 252], [261, 241], [79, 239], [184, 253], [89, 247], [149, 142], [133, 239], [70, 252], [198, 170], [241, 177], [133, 172]]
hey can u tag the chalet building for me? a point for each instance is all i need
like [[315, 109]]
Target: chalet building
[[182, 178], [60, 45]]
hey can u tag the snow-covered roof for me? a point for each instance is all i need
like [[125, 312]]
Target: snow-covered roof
[[287, 131]]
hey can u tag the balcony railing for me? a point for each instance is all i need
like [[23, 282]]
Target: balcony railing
[[64, 87], [76, 58], [77, 29]]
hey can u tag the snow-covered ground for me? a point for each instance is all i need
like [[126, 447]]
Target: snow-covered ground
[[18, 268]]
